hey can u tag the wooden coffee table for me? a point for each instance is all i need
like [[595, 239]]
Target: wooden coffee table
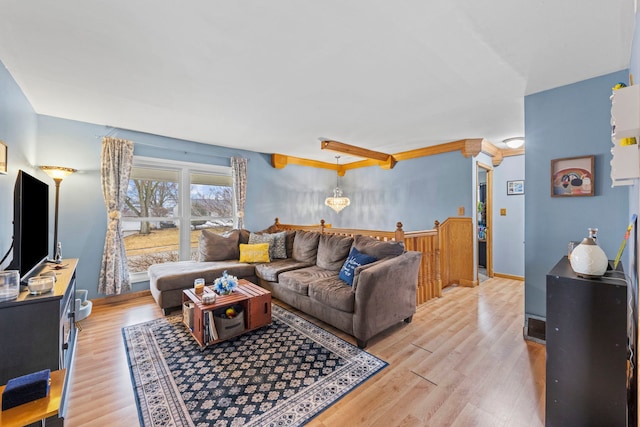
[[255, 302]]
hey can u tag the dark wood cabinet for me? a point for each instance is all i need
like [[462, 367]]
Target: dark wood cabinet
[[38, 331], [587, 348]]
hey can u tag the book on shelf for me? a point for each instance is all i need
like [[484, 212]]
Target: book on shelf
[[213, 332]]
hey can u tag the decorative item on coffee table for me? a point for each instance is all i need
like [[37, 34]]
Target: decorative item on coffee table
[[226, 284]]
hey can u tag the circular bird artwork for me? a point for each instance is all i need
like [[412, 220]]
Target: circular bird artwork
[[573, 181]]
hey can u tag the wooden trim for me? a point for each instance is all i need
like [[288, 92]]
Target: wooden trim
[[447, 147], [472, 147], [507, 152], [341, 147], [112, 299], [509, 276], [468, 147], [279, 161], [468, 283], [489, 149]]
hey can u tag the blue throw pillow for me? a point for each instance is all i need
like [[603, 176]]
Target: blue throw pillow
[[353, 261]]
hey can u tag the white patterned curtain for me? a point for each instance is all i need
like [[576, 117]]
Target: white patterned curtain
[[116, 162], [239, 175]]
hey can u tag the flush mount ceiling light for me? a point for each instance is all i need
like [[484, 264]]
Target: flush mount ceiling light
[[515, 142], [337, 202]]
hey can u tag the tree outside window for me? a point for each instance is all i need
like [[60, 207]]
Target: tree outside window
[[153, 211]]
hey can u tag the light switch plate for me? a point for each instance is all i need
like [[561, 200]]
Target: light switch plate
[[503, 211], [460, 210]]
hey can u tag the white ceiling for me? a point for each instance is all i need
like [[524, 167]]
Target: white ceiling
[[274, 76]]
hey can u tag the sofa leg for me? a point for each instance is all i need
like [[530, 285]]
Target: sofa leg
[[361, 344], [408, 319], [166, 311]]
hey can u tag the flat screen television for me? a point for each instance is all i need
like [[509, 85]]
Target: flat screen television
[[30, 224]]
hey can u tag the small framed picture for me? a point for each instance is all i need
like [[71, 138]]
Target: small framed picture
[[572, 176], [3, 158], [515, 187]]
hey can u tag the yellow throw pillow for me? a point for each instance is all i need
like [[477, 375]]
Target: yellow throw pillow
[[258, 252]]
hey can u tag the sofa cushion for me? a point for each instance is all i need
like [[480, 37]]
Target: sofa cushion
[[270, 271], [290, 237], [377, 248], [244, 236], [181, 274], [218, 247], [305, 246], [353, 261], [276, 241], [280, 245], [258, 252], [333, 250], [334, 293], [298, 280]]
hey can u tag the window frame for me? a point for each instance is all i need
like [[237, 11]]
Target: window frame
[[184, 169]]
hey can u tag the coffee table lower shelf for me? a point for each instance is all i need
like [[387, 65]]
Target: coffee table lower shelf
[[254, 300]]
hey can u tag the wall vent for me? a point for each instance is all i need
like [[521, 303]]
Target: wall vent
[[534, 328]]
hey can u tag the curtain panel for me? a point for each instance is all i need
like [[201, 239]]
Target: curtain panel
[[239, 176], [116, 163]]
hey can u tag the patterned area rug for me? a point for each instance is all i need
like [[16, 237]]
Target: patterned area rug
[[285, 373]]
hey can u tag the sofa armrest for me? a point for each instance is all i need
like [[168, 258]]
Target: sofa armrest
[[386, 294]]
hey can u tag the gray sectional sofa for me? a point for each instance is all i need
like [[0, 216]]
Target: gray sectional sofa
[[358, 284]]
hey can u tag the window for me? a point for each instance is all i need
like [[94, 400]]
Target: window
[[163, 196]]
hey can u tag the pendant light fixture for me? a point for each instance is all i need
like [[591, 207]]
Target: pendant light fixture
[[337, 202]]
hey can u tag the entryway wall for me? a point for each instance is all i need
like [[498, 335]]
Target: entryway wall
[[508, 229]]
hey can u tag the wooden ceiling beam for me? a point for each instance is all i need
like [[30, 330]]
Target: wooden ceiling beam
[[279, 161], [388, 162], [468, 147]]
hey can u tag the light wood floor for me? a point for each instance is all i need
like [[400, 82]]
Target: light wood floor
[[461, 362]]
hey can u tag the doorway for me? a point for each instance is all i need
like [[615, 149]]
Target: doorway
[[484, 205]]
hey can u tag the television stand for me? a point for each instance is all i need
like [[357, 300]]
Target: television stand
[[38, 331]]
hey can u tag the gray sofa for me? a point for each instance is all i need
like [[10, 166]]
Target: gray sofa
[[311, 273]]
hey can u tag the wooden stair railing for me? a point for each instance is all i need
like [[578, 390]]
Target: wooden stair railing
[[429, 276]]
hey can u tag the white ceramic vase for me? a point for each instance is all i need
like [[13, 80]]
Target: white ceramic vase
[[588, 259]]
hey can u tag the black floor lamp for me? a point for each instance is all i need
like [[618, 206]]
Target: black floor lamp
[[58, 174]]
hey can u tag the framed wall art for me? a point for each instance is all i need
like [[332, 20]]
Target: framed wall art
[[3, 158], [515, 187], [572, 176]]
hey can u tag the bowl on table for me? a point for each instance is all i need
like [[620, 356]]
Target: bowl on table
[[40, 284]]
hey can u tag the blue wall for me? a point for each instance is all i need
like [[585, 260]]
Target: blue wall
[[82, 222], [508, 230], [18, 130], [564, 122], [569, 121], [416, 192]]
